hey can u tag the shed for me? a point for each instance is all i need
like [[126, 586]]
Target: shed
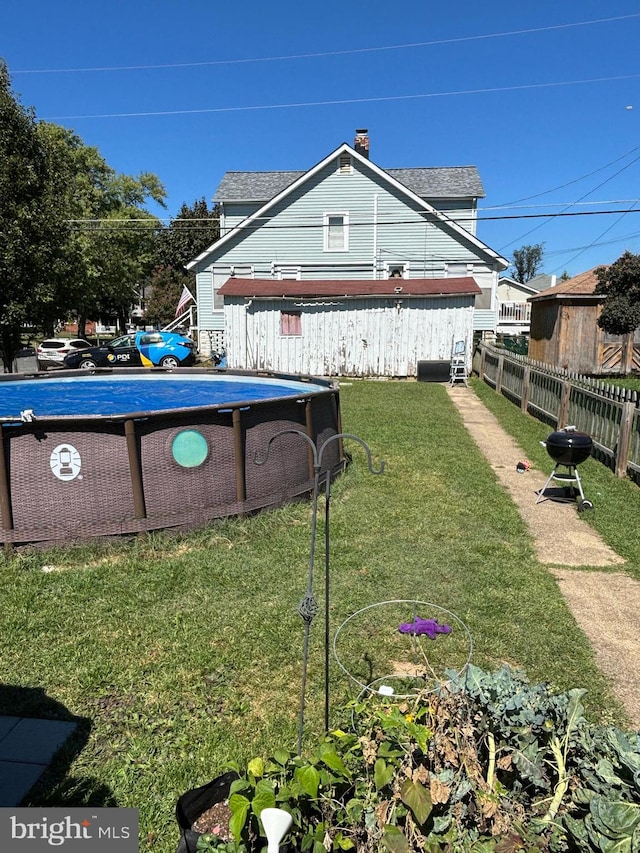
[[334, 327], [565, 332]]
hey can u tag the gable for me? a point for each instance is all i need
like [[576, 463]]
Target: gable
[[340, 189]]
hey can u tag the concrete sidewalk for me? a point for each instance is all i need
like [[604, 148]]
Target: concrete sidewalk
[[27, 746]]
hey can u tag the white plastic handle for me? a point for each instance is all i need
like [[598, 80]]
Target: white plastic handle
[[276, 822]]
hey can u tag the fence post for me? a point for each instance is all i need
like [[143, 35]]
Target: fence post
[[499, 374], [526, 379], [624, 438], [563, 414]]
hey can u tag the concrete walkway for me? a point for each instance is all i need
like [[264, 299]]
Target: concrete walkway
[[26, 748], [561, 536], [605, 604]]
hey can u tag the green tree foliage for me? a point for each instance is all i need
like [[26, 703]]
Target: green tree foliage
[[620, 283], [190, 233], [527, 262], [193, 230], [620, 315], [36, 254], [75, 238], [165, 285]]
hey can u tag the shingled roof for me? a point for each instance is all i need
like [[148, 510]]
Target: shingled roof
[[396, 287], [432, 182], [583, 284]]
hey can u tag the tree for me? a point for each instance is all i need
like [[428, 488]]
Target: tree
[[35, 252], [527, 262], [165, 286], [620, 315], [74, 235], [193, 229]]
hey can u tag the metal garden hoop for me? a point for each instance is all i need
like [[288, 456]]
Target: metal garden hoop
[[383, 685]]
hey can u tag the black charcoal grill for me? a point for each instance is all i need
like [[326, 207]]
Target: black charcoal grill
[[568, 448]]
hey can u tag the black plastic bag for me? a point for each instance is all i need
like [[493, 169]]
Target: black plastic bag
[[194, 803]]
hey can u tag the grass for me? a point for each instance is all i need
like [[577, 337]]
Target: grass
[[182, 653]]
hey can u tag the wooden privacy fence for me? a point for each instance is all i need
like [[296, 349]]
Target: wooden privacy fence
[[608, 413]]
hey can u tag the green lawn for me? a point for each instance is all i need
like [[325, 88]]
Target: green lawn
[[183, 653]]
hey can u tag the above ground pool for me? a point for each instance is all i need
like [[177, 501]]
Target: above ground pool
[[126, 451]]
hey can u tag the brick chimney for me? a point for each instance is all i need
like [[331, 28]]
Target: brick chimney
[[362, 142]]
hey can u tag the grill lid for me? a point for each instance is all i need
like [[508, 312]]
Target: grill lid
[[568, 446]]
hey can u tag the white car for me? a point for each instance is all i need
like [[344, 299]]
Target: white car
[[51, 353]]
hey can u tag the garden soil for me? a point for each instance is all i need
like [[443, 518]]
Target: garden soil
[[605, 604]]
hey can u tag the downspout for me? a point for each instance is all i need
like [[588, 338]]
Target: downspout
[[247, 305], [375, 236]]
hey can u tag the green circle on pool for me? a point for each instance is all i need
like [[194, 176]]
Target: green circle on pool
[[190, 448]]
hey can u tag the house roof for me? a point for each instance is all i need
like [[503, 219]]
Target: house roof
[[395, 287], [257, 215], [581, 285], [434, 182]]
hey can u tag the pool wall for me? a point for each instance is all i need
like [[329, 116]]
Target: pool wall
[[144, 471]]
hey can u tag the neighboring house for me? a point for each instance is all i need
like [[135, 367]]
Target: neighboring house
[[514, 311], [565, 332], [340, 235]]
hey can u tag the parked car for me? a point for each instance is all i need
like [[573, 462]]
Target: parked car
[[141, 349], [51, 353]]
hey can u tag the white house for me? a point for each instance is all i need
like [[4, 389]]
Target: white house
[[366, 253], [514, 317]]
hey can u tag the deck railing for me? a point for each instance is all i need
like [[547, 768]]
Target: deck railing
[[608, 413], [514, 312]]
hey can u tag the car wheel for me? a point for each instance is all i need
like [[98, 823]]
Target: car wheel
[[169, 361], [87, 364]]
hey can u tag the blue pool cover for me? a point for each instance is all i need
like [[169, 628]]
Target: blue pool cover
[[117, 394]]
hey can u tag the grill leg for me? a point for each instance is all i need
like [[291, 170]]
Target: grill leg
[[541, 495]]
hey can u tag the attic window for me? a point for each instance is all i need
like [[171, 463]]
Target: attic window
[[345, 166]]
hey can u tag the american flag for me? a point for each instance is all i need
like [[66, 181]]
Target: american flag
[[184, 300]]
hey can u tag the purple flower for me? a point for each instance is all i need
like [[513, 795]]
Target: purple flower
[[430, 627]]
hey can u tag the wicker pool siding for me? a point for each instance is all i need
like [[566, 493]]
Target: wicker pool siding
[[130, 482]]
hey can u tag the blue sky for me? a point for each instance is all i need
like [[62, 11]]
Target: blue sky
[[541, 97]]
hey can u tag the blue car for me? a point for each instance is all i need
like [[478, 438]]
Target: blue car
[[140, 349]]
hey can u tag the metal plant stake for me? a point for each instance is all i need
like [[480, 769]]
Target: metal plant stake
[[309, 608]]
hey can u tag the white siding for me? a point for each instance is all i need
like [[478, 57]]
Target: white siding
[[347, 337]]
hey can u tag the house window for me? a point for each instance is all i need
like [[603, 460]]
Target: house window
[[291, 323], [336, 232], [397, 270]]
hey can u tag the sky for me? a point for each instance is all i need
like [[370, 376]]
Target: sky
[[542, 97]]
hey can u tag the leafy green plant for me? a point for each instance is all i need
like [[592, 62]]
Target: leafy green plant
[[489, 763]]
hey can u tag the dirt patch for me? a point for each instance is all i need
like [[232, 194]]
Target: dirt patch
[[606, 605]]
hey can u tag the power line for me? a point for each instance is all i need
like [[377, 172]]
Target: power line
[[562, 212], [574, 181], [351, 51], [267, 223], [297, 105]]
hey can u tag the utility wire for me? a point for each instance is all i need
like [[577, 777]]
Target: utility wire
[[268, 224], [563, 212], [297, 105], [606, 231], [574, 181], [322, 54]]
